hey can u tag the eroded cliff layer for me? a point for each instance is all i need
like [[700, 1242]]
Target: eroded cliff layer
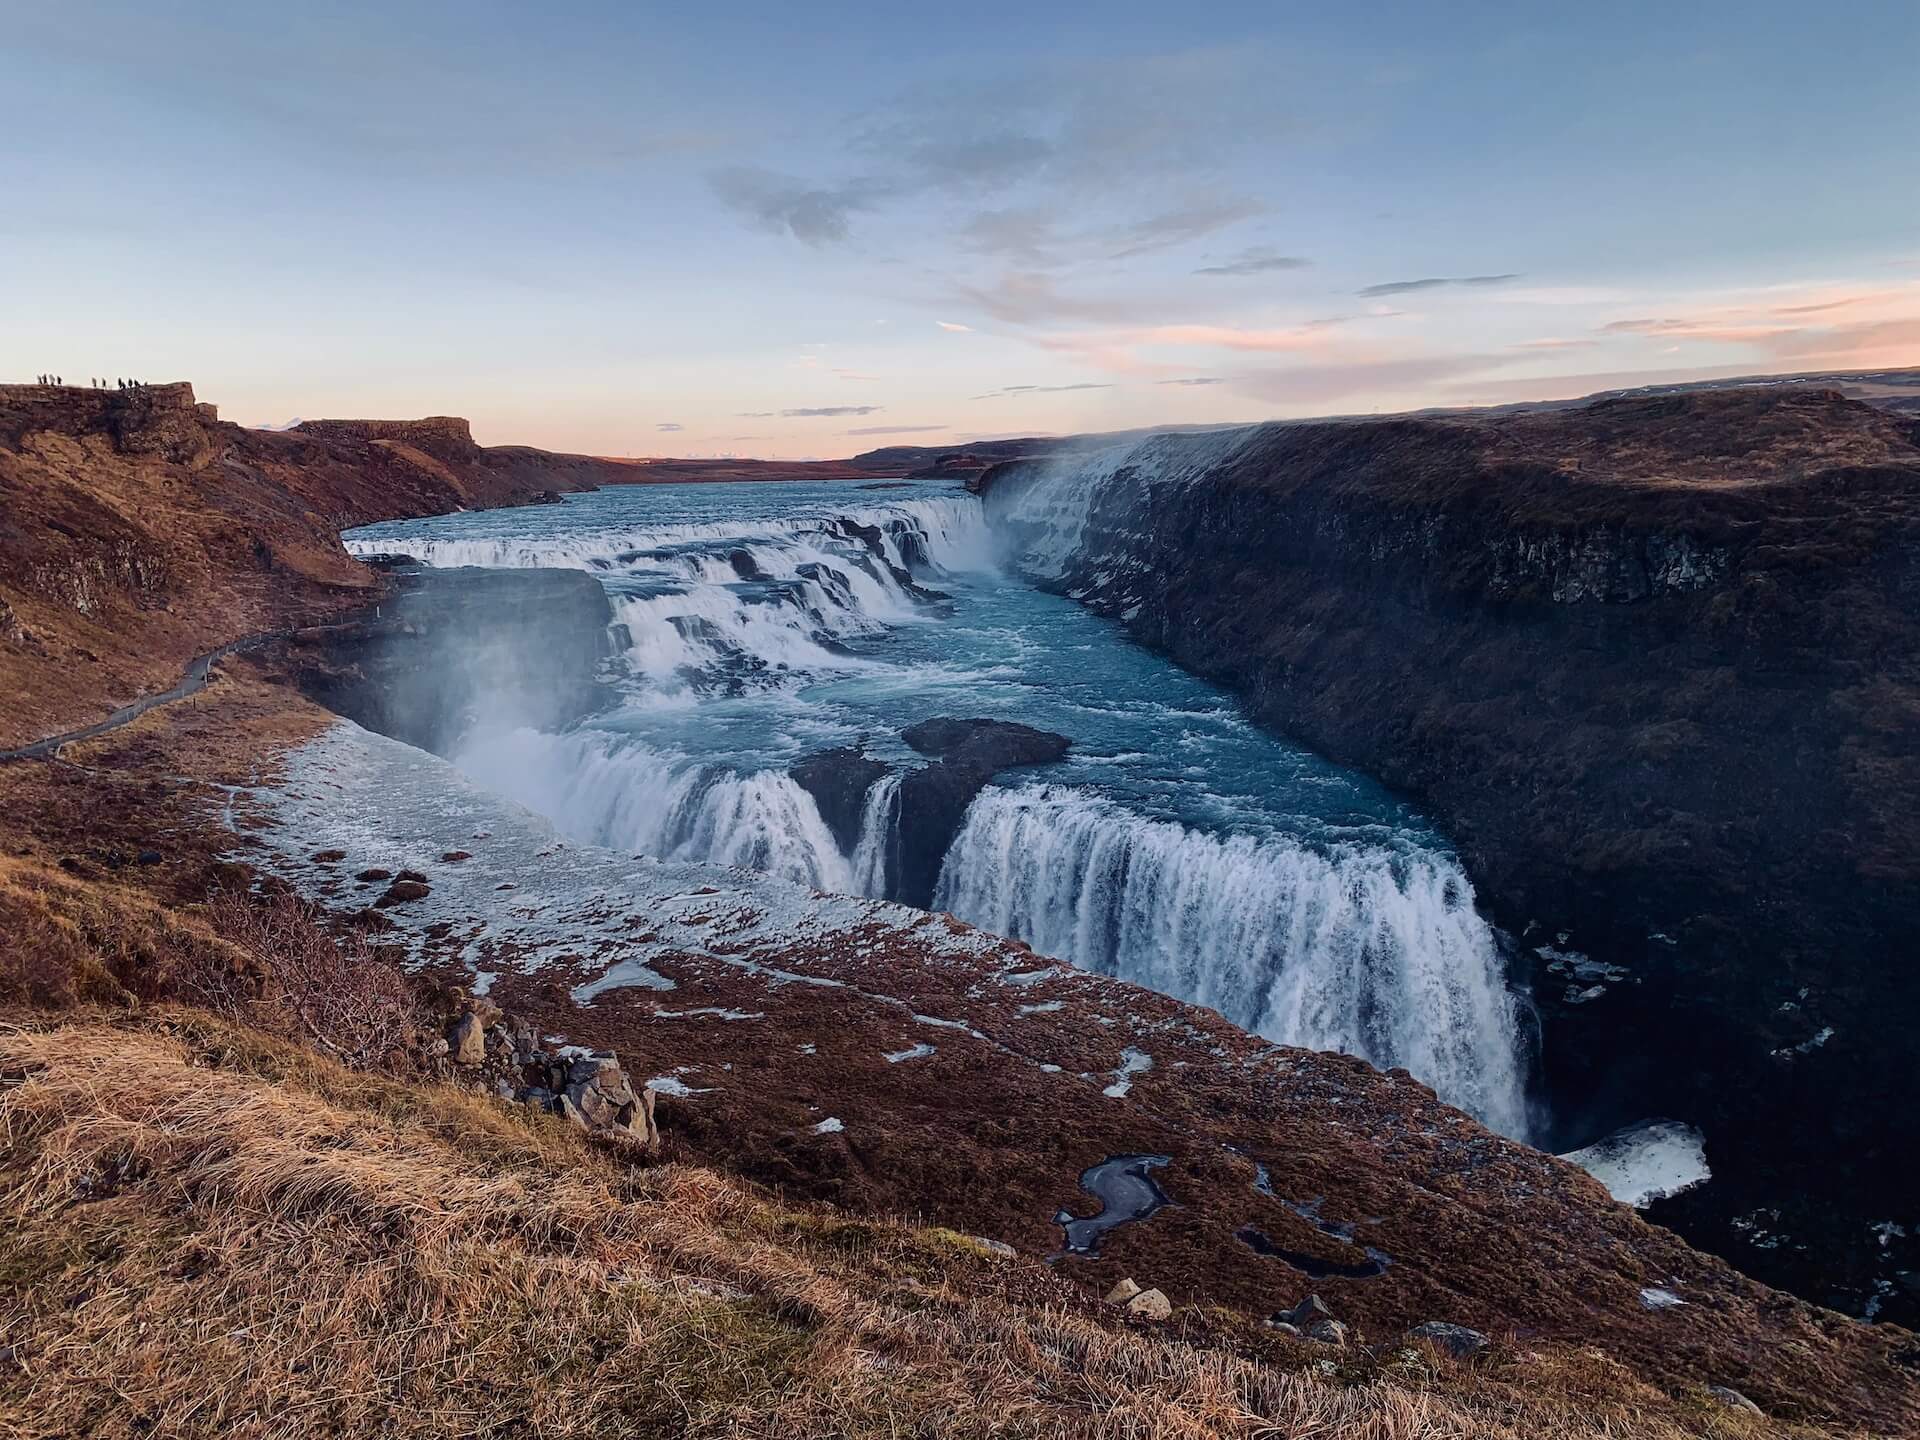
[[1656, 664]]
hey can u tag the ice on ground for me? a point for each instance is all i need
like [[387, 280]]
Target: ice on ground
[[1655, 1298], [1646, 1162], [675, 1086], [1132, 1062], [829, 1126], [912, 1052], [619, 975]]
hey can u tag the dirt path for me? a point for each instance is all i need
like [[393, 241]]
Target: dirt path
[[191, 683]]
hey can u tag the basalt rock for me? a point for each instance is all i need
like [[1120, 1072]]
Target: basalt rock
[[838, 780], [1457, 1340], [934, 798]]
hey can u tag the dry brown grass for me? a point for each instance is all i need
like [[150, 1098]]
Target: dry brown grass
[[206, 1231]]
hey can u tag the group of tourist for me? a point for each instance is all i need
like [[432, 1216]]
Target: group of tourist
[[96, 383]]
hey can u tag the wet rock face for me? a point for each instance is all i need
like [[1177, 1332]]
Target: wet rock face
[[839, 780], [933, 799], [461, 647]]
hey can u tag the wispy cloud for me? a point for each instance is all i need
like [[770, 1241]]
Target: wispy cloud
[[785, 204], [814, 412], [896, 429], [955, 327], [1404, 287], [1263, 261], [1367, 380], [1195, 380], [1554, 343], [1007, 390], [669, 427], [1170, 229]]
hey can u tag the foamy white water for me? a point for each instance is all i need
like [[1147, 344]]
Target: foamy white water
[[1375, 951]]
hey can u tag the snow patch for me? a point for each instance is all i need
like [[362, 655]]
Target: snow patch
[[1646, 1162], [1132, 1062]]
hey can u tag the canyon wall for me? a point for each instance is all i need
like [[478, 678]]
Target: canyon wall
[[137, 530], [1655, 665]]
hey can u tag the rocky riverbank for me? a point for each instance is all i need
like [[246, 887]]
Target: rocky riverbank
[[1655, 663]]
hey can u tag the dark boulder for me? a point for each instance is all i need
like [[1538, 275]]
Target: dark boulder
[[838, 781], [934, 798]]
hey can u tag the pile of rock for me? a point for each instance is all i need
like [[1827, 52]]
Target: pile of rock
[[1145, 1304], [591, 1090], [1311, 1319]]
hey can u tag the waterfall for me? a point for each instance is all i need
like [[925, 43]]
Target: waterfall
[[876, 855], [628, 797], [700, 608], [1372, 950], [1042, 507]]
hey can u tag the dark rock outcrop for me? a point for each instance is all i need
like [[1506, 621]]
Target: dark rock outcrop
[[1655, 664], [838, 780], [933, 798]]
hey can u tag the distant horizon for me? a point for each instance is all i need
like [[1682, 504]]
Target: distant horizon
[[1677, 378], [766, 231]]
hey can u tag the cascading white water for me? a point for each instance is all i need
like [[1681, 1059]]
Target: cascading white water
[[1044, 509], [875, 857], [630, 798], [1372, 950], [739, 638], [768, 603]]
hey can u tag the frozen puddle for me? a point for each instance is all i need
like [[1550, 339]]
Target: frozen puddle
[[1646, 1162], [1126, 1190]]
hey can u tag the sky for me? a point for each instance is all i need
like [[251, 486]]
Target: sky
[[808, 230]]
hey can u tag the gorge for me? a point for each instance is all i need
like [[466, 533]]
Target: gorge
[[664, 760]]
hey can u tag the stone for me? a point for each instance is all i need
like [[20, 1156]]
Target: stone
[[999, 1248], [1327, 1332], [1304, 1315], [1282, 1327], [1150, 1305], [1123, 1291], [1734, 1400], [1457, 1340], [402, 891], [467, 1040], [368, 876]]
